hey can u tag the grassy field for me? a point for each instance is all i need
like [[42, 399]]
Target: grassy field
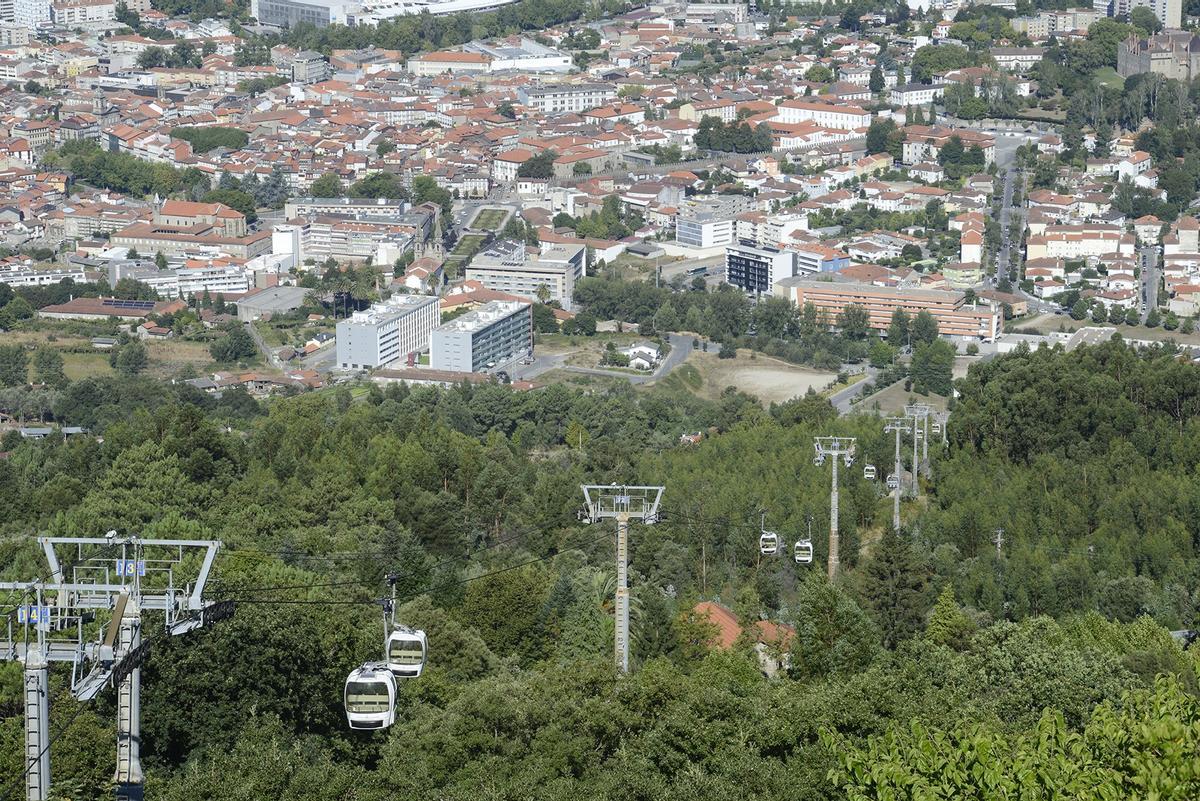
[[893, 399], [84, 365], [583, 351], [490, 219], [582, 380], [770, 380], [81, 360], [1109, 78]]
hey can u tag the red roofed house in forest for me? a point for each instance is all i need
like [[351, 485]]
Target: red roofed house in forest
[[771, 640]]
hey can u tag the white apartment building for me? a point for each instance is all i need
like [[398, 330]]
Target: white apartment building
[[1080, 242], [704, 229], [1169, 12], [40, 275], [567, 98], [846, 118], [81, 12], [387, 332], [505, 165], [484, 339], [917, 94], [756, 269], [769, 230], [31, 13], [217, 280], [552, 273], [12, 34]]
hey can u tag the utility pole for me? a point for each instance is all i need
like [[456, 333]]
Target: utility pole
[[835, 447], [91, 586], [621, 503], [901, 426]]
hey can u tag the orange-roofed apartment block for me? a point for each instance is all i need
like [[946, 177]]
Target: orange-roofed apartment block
[[954, 316]]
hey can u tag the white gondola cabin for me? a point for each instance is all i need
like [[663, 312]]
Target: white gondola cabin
[[768, 543], [892, 482], [406, 652], [803, 552], [370, 697], [869, 472]]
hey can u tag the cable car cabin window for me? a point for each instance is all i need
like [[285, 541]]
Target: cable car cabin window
[[367, 698], [407, 652]]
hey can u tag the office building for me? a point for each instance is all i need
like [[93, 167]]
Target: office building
[[550, 275], [493, 335], [388, 331], [954, 316], [756, 269]]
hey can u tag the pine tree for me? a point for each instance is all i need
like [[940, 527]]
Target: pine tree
[[948, 625], [655, 634], [895, 588]]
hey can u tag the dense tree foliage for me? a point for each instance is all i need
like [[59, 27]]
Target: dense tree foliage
[[211, 137], [122, 172], [736, 137], [418, 32], [932, 650]]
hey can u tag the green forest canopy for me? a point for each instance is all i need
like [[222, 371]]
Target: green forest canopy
[[931, 645], [210, 137]]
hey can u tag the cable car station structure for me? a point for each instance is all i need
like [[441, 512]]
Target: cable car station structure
[[88, 613]]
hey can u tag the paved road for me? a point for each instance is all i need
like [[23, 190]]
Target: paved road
[[322, 360], [681, 348], [1151, 275], [673, 269], [272, 358], [842, 399], [1005, 212]]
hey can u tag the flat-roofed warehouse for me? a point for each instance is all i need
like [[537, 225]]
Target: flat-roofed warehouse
[[270, 301]]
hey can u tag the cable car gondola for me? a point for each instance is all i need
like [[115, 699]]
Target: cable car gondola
[[892, 482], [936, 428], [768, 543], [803, 552], [406, 652], [370, 697], [869, 472]]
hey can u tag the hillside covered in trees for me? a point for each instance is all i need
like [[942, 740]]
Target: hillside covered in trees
[[936, 666]]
